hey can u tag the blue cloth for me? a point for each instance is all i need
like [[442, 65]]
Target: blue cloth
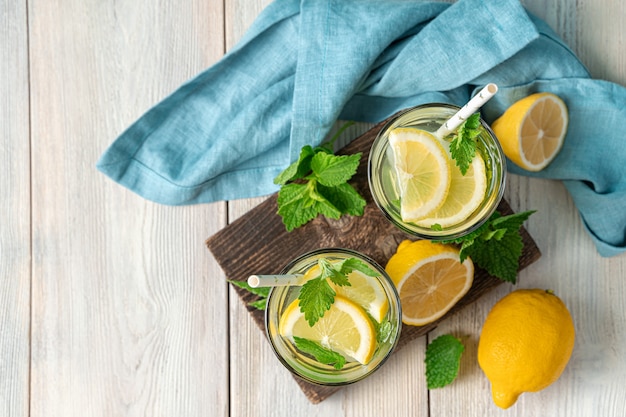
[[303, 64]]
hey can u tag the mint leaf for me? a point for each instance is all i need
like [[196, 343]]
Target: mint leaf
[[463, 144], [335, 275], [351, 264], [319, 352], [262, 292], [295, 205], [259, 304], [443, 360], [332, 170], [316, 296], [383, 331], [345, 198], [298, 169], [496, 246]]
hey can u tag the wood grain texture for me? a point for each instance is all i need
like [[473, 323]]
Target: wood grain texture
[[258, 243], [129, 318], [15, 259], [121, 325]]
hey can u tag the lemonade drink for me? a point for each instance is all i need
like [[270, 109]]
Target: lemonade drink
[[363, 324], [386, 186]]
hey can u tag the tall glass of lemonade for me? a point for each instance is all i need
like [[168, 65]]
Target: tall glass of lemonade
[[416, 183], [353, 338]]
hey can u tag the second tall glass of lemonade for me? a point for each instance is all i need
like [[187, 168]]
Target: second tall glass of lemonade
[[469, 202]]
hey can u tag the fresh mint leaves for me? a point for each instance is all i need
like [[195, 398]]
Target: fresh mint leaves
[[317, 183], [443, 360], [262, 292], [316, 295], [319, 352], [463, 144], [497, 245]]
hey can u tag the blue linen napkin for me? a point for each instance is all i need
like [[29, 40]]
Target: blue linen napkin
[[303, 64]]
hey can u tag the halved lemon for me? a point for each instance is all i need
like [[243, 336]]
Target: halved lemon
[[466, 193], [423, 170], [430, 279], [366, 292], [532, 130], [344, 328]]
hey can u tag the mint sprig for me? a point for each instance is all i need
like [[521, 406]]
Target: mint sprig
[[262, 292], [317, 296], [497, 245], [443, 360], [317, 183], [463, 144], [319, 352]]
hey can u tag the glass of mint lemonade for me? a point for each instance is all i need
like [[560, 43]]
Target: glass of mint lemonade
[[467, 203], [354, 337]]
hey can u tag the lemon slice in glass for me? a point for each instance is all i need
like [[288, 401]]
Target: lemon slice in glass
[[366, 292], [344, 328], [423, 170], [465, 195]]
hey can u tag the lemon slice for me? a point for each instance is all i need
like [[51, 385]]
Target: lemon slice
[[344, 328], [423, 170], [466, 193], [430, 279], [532, 130], [366, 292]]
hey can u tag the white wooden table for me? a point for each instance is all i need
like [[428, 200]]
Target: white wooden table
[[111, 305]]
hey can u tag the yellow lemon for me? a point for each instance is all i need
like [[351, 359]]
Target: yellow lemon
[[525, 343], [532, 130], [344, 328], [465, 195], [430, 279], [423, 170]]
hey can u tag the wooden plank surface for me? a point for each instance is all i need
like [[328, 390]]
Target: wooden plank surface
[[117, 322], [129, 314], [14, 210]]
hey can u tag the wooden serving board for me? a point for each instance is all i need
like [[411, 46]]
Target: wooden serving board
[[258, 243]]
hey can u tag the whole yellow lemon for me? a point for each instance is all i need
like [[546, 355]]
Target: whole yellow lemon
[[525, 343]]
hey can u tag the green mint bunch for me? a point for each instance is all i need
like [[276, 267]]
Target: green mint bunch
[[463, 143], [317, 183]]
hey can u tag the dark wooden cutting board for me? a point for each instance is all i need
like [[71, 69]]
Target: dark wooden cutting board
[[258, 243]]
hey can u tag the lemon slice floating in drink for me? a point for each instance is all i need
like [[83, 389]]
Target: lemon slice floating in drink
[[430, 279], [423, 170], [366, 292], [532, 130], [344, 328], [465, 195]]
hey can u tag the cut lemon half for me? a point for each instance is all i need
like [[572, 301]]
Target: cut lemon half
[[466, 193], [366, 292], [532, 130], [430, 279], [423, 170], [344, 328]]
